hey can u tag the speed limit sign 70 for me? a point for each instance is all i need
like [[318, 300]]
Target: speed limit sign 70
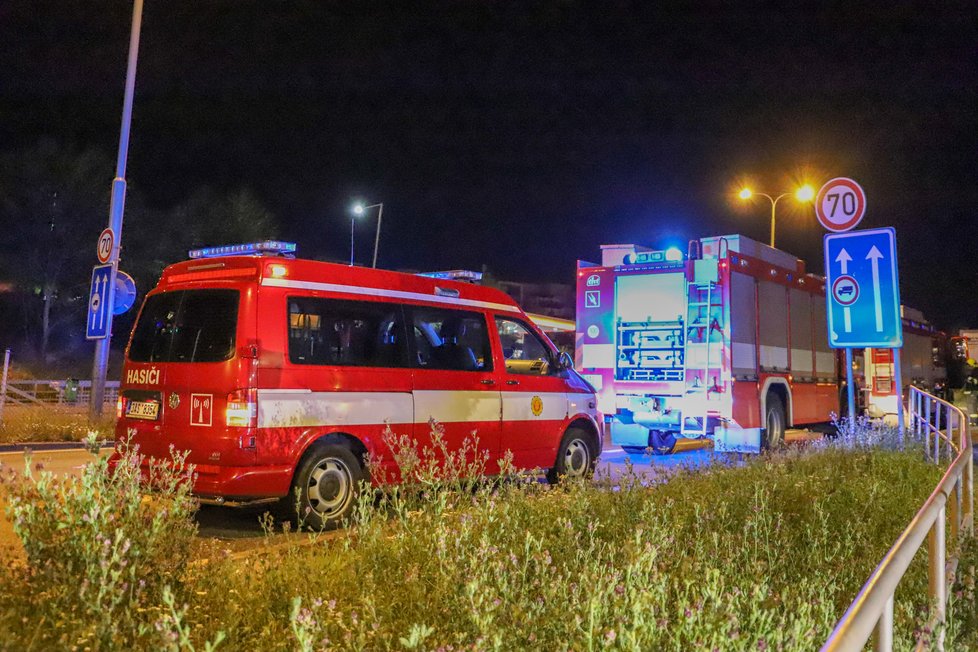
[[106, 240], [840, 204]]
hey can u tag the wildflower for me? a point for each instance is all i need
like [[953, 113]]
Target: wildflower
[[761, 644], [611, 636]]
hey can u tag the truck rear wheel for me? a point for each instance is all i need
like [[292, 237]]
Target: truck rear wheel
[[325, 487], [774, 423], [662, 442]]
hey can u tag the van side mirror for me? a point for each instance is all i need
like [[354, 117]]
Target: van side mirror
[[565, 361]]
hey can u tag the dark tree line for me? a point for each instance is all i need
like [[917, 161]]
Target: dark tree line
[[54, 202]]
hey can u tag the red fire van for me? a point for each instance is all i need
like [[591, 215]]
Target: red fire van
[[279, 375]]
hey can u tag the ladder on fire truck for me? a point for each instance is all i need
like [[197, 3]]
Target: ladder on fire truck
[[703, 361]]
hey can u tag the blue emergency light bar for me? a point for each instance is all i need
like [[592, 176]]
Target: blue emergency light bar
[[250, 249], [466, 275], [670, 255]]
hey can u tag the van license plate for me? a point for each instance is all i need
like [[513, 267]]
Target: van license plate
[[142, 410]]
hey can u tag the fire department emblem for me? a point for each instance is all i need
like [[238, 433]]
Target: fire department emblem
[[173, 401], [536, 406]]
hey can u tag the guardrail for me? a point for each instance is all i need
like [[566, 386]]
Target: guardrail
[[935, 421], [52, 392]]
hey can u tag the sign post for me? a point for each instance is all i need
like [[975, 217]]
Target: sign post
[[116, 209]]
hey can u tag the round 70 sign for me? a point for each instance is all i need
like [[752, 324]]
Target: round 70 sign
[[840, 204], [104, 247]]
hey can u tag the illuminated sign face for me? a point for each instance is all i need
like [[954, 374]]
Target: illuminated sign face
[[593, 280]]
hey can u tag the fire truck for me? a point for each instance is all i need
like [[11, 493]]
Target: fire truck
[[925, 356], [726, 341]]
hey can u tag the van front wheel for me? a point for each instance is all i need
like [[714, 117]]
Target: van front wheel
[[575, 456], [325, 487]]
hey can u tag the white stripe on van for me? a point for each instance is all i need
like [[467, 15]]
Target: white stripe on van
[[518, 406], [299, 408], [449, 406], [379, 292], [282, 408]]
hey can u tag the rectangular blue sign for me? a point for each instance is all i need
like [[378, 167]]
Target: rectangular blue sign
[[862, 289], [97, 321]]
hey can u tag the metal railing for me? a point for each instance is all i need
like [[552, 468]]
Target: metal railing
[[52, 392], [934, 422]]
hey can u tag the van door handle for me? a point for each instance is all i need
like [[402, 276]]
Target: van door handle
[[487, 381], [512, 382]]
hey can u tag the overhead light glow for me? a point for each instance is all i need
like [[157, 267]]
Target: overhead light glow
[[358, 209], [746, 193], [805, 193]]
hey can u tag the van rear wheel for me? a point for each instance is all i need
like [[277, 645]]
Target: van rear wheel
[[325, 487], [575, 456]]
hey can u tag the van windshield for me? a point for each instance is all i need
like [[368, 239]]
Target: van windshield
[[186, 326]]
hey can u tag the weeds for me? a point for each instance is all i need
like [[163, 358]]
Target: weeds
[[760, 556], [50, 423], [99, 554]]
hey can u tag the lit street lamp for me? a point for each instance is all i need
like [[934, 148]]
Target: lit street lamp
[[803, 194], [359, 209]]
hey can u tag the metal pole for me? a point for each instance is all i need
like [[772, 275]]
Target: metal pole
[[380, 216], [883, 641], [850, 390], [3, 382], [898, 378], [116, 210], [936, 577], [774, 203], [353, 221]]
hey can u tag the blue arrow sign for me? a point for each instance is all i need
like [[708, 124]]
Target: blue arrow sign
[[862, 290], [97, 321]]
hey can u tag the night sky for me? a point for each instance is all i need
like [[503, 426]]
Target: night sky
[[522, 135]]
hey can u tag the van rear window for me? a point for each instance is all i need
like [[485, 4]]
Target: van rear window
[[186, 326]]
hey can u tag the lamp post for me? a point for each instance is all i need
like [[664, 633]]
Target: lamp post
[[803, 194], [116, 209], [360, 209]]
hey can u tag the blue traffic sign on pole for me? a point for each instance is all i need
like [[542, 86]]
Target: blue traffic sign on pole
[[862, 289], [97, 323]]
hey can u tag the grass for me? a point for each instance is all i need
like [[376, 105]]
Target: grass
[[764, 556], [51, 423]]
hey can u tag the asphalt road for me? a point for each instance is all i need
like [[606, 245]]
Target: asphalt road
[[242, 526]]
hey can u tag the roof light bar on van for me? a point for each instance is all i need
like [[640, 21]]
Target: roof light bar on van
[[275, 247], [466, 275]]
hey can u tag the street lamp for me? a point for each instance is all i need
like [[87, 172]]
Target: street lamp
[[803, 194], [360, 209]]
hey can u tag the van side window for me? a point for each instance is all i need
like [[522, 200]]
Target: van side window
[[450, 339], [524, 352], [345, 333]]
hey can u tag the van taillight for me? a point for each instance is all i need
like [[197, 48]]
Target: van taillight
[[242, 408]]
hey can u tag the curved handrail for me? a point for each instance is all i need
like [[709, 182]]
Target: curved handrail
[[872, 610]]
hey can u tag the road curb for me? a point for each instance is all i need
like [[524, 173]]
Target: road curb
[[50, 446]]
